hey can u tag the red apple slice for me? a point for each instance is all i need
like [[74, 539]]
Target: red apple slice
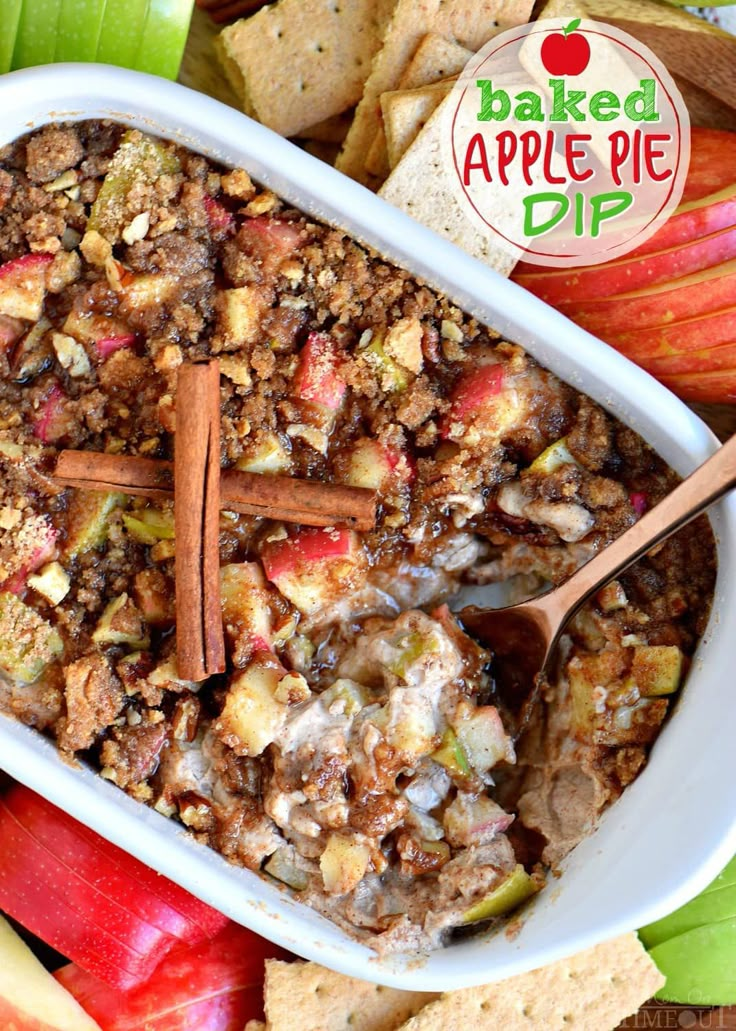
[[217, 986], [712, 162], [708, 360], [705, 291], [269, 241], [317, 377], [30, 998], [717, 387], [50, 424], [710, 331], [375, 466], [34, 544], [109, 345], [87, 898], [692, 221], [308, 565], [477, 401], [615, 277], [23, 286]]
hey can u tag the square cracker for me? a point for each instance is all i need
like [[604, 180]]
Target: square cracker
[[308, 997], [593, 991], [436, 58], [298, 62], [470, 22], [405, 113], [418, 185]]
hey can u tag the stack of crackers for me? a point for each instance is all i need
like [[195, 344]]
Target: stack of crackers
[[364, 82], [593, 991]]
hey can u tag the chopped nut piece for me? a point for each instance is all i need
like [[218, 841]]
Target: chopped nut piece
[[71, 354], [451, 331], [62, 182], [404, 343], [137, 229], [237, 370], [261, 204], [9, 517], [238, 184], [95, 248]]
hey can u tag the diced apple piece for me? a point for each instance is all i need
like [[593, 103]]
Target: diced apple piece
[[109, 345], [88, 519], [482, 737], [50, 424], [612, 597], [420, 856], [149, 290], [408, 650], [138, 160], [590, 677], [240, 313], [23, 286], [252, 717], [317, 378], [474, 820], [121, 623], [266, 455], [282, 866], [375, 466], [345, 695], [509, 895], [52, 582], [293, 689], [451, 755], [221, 221], [11, 330], [552, 458], [343, 863], [393, 377], [483, 404], [28, 644], [154, 597], [411, 727], [89, 326], [149, 525], [656, 669], [30, 998], [403, 343], [245, 603], [308, 565], [34, 544], [270, 241]]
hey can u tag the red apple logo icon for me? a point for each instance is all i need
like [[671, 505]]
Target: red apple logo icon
[[566, 52]]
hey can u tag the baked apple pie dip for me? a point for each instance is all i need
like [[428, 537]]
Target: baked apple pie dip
[[351, 743]]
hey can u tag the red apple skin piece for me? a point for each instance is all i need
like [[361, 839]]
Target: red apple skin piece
[[305, 547], [221, 221], [23, 286], [190, 919], [717, 387], [615, 277], [11, 330], [709, 215], [44, 551], [30, 998], [639, 502], [710, 331], [711, 359], [48, 426], [685, 298], [109, 345], [317, 377], [269, 241], [471, 392], [712, 162], [47, 899], [217, 986]]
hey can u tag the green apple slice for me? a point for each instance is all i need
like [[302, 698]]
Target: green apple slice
[[510, 894], [725, 878], [36, 39], [164, 37], [708, 908], [122, 30], [8, 31], [700, 966], [78, 33]]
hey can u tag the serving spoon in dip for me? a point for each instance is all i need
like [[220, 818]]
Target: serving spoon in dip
[[523, 637]]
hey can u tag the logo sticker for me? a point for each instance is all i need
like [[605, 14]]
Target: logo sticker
[[569, 142]]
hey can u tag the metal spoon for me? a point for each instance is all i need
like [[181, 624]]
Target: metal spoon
[[523, 637]]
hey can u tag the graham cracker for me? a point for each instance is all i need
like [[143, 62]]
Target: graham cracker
[[419, 187], [436, 58], [308, 997], [405, 113], [470, 22], [329, 130], [593, 991], [298, 62]]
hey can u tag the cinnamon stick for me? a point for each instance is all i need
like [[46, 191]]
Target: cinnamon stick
[[292, 500], [200, 641]]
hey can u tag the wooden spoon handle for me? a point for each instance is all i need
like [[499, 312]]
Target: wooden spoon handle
[[707, 484]]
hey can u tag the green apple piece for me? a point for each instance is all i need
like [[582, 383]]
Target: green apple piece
[[123, 25], [149, 525], [121, 623], [88, 519], [35, 42], [137, 159], [450, 754], [27, 642], [162, 46], [351, 696], [281, 866], [725, 878], [393, 377], [510, 894], [708, 908], [553, 457], [700, 966], [78, 31], [8, 32]]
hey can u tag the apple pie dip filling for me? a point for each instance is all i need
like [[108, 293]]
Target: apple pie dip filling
[[355, 749]]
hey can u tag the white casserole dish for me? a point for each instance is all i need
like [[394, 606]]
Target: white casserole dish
[[674, 828]]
